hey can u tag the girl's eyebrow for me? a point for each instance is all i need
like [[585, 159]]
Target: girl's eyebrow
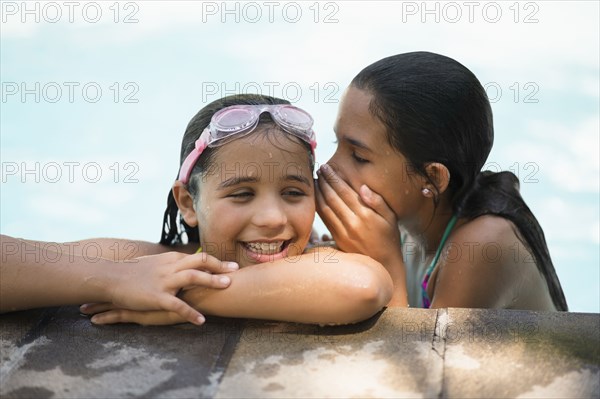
[[356, 143], [234, 181], [298, 178]]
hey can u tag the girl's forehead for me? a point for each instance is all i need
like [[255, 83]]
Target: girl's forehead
[[269, 142], [262, 155]]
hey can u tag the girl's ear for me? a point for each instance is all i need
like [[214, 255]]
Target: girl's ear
[[185, 203], [440, 175]]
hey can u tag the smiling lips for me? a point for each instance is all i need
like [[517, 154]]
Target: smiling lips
[[262, 251]]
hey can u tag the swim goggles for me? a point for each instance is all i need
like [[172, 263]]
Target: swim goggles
[[240, 120]]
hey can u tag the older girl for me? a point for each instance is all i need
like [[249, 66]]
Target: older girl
[[405, 187]]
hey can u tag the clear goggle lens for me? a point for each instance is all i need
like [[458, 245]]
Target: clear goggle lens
[[242, 119]]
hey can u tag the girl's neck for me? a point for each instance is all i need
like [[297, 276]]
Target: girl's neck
[[428, 228]]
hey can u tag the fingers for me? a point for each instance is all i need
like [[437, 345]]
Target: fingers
[[338, 198], [336, 191], [93, 308], [185, 311], [187, 278], [207, 263], [329, 217], [377, 203], [155, 317], [108, 313]]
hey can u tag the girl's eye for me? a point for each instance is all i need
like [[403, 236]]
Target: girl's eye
[[294, 192], [359, 159], [241, 195]]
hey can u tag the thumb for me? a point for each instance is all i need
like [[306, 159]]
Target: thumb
[[376, 202]]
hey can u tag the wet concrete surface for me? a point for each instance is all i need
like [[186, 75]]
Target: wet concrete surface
[[454, 353]]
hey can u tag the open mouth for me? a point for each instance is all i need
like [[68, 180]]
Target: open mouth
[[263, 251]]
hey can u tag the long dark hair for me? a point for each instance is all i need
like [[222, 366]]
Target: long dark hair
[[174, 227], [435, 110]]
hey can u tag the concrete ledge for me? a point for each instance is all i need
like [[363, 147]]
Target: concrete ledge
[[58, 353]]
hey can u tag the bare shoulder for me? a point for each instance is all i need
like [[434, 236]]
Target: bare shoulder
[[490, 241], [486, 229], [481, 264]]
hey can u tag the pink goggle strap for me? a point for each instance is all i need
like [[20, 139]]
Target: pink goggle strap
[[190, 160]]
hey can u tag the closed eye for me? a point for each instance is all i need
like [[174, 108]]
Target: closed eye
[[294, 193], [359, 159], [241, 195]]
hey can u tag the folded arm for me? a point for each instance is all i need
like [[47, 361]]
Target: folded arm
[[325, 286]]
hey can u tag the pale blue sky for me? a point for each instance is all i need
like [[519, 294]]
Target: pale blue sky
[[539, 61]]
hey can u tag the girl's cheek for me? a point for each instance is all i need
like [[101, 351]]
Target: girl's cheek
[[308, 215]]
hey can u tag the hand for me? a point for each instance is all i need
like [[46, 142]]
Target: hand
[[151, 283], [359, 222]]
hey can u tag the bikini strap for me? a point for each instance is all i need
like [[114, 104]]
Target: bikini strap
[[429, 270]]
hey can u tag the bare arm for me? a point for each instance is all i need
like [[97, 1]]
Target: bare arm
[[323, 287], [328, 286], [116, 249], [33, 276]]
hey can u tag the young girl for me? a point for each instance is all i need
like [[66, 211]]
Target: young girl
[[245, 193], [405, 187]]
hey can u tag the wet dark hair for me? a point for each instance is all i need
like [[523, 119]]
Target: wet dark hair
[[435, 110], [174, 227]]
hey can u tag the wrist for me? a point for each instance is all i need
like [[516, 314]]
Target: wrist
[[393, 262], [100, 280]]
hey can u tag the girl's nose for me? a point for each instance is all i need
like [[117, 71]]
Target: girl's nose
[[270, 214]]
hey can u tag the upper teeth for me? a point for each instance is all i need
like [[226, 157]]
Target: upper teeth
[[265, 247]]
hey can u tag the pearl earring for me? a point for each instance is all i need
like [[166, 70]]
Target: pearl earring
[[426, 192]]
